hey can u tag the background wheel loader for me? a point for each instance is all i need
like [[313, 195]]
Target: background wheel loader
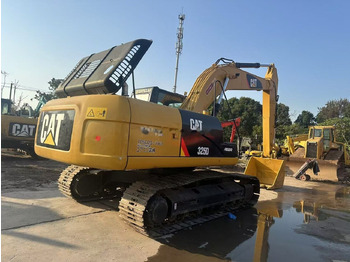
[[156, 155], [320, 144]]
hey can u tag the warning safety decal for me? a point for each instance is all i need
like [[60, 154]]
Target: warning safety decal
[[96, 112]]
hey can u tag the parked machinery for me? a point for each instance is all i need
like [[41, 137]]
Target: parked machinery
[[18, 128], [322, 146], [149, 151]]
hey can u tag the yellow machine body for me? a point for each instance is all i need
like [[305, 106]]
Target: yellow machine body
[[17, 130], [90, 127], [118, 133], [321, 145], [110, 138]]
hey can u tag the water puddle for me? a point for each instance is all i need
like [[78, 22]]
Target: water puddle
[[307, 225]]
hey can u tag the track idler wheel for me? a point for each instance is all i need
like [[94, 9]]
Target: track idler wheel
[[156, 212], [85, 186], [305, 177]]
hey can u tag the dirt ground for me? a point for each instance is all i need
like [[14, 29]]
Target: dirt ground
[[20, 172], [302, 221]]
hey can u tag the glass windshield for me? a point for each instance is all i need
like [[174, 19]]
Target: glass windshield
[[5, 108], [318, 133], [326, 134]]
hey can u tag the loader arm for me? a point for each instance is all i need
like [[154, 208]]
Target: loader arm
[[211, 84]]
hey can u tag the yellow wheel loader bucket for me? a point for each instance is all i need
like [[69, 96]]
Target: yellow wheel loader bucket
[[270, 172]]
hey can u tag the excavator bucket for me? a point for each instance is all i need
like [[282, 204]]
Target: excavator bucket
[[270, 172]]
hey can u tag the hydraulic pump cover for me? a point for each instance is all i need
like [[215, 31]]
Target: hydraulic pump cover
[[104, 72]]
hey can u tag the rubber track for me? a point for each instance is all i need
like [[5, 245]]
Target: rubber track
[[135, 198]]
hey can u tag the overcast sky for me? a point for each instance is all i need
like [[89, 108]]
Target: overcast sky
[[307, 40]]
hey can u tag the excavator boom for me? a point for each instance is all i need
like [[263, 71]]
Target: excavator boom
[[210, 87], [214, 81]]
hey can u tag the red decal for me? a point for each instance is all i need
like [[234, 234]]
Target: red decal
[[184, 147], [209, 89]]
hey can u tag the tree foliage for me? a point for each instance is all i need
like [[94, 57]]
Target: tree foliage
[[247, 109], [282, 117], [334, 109], [293, 129], [282, 120], [305, 119], [342, 126], [335, 112], [250, 112], [53, 84]]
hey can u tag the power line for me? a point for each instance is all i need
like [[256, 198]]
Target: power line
[[26, 88]]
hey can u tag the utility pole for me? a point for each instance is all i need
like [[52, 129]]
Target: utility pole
[[3, 86], [180, 31], [14, 91], [11, 90]]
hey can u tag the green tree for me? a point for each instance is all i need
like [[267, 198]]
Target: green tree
[[282, 117], [294, 129], [247, 109], [342, 126], [46, 96], [305, 119], [257, 135], [334, 109], [282, 120]]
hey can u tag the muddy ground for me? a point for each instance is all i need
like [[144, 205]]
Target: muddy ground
[[302, 221]]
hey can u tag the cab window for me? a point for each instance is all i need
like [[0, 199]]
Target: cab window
[[327, 134], [5, 109], [318, 133]]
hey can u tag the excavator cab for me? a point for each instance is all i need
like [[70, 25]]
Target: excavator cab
[[6, 106], [157, 95]]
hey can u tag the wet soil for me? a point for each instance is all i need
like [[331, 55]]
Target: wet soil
[[306, 221], [305, 224]]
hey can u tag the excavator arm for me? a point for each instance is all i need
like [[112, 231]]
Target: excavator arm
[[209, 89], [214, 81]]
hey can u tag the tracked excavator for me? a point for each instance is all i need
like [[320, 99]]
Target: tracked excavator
[[157, 156], [18, 127]]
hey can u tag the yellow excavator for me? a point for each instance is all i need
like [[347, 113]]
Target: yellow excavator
[[319, 145], [155, 155], [18, 127]]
